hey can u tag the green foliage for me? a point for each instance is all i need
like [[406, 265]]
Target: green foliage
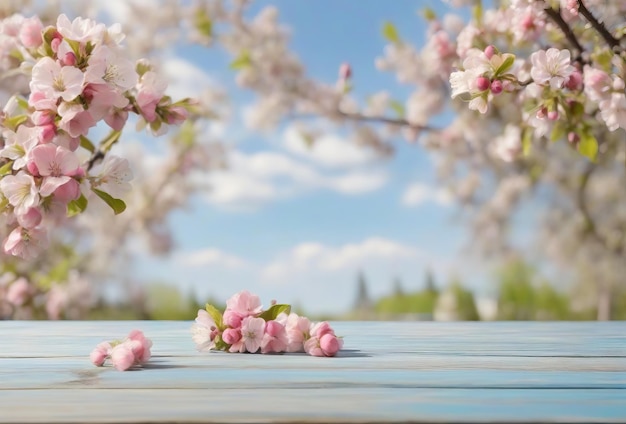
[[464, 300], [274, 311], [390, 33], [520, 298], [588, 145], [117, 205], [77, 206]]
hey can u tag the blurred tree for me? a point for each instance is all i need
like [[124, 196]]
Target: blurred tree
[[523, 297], [456, 303], [363, 303], [398, 289]]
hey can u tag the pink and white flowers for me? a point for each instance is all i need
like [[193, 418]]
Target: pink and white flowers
[[551, 67], [133, 351], [246, 327], [79, 76]]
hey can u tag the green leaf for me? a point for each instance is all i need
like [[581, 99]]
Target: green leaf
[[558, 132], [117, 205], [216, 315], [429, 14], [390, 33], [274, 311], [15, 121], [397, 107], [242, 61], [77, 206], [220, 344], [504, 66], [75, 45], [527, 142], [477, 12], [203, 23], [87, 144], [588, 146], [6, 168]]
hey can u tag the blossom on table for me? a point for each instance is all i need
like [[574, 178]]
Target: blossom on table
[[245, 327], [133, 351]]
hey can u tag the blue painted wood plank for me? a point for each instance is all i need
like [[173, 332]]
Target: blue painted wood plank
[[321, 405], [404, 372]]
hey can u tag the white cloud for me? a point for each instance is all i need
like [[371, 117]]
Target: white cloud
[[184, 78], [314, 257], [328, 150], [357, 182], [209, 257], [418, 193], [251, 180]]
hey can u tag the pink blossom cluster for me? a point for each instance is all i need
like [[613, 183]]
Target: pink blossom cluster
[[78, 77], [246, 327], [133, 351]]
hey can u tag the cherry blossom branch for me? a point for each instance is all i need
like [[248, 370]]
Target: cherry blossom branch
[[598, 26], [555, 15], [401, 122]]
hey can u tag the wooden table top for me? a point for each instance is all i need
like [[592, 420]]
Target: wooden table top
[[387, 372]]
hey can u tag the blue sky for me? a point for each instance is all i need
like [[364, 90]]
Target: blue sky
[[297, 225]]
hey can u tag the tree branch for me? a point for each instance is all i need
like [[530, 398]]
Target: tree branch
[[555, 15], [581, 202], [359, 117], [598, 26]]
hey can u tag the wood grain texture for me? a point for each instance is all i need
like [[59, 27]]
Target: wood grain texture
[[388, 372]]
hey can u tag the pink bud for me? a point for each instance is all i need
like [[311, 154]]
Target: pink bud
[[483, 83], [54, 44], [47, 133], [69, 59], [575, 81], [274, 328], [122, 357], [100, 353], [490, 51], [553, 115], [573, 138], [496, 87], [97, 357], [176, 115], [542, 112], [322, 328], [231, 336], [232, 319], [330, 344], [345, 71]]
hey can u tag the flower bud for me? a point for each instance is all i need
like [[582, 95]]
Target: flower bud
[[575, 81], [69, 59], [232, 319], [345, 71], [273, 328], [573, 138], [496, 87], [330, 344], [231, 336], [483, 83], [553, 115], [490, 51]]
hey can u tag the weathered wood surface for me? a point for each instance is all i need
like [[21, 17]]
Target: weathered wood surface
[[388, 372]]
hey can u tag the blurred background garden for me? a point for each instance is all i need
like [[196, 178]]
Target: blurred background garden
[[325, 164]]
